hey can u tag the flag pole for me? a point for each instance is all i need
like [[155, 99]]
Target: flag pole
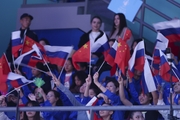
[[90, 58], [24, 65], [101, 66], [19, 88], [64, 65]]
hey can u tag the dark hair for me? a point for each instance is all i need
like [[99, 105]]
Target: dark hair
[[45, 40], [113, 80], [83, 64], [37, 114], [122, 23], [131, 113], [135, 41], [57, 95], [81, 75], [97, 18], [95, 88], [39, 65]]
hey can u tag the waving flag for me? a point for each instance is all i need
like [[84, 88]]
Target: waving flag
[[33, 57], [148, 83], [137, 60], [57, 54], [12, 80], [161, 42], [28, 58], [165, 69], [81, 55], [122, 55], [101, 45], [4, 69], [170, 29], [16, 43], [110, 57]]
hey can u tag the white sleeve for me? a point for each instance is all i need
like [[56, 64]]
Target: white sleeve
[[164, 113], [3, 116]]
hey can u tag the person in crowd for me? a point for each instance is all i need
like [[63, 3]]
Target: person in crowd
[[136, 115], [119, 29], [44, 41], [144, 99], [66, 77], [53, 99], [135, 42], [175, 100], [25, 21], [105, 114], [78, 80], [32, 115]]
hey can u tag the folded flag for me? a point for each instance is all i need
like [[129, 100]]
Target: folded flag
[[57, 54], [16, 43], [81, 55]]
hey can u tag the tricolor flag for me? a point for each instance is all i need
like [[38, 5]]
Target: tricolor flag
[[16, 43], [57, 54], [170, 29], [101, 45], [161, 42], [81, 55], [27, 58], [110, 57], [165, 69], [148, 83], [137, 60], [12, 80]]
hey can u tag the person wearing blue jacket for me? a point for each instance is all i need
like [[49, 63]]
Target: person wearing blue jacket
[[110, 91], [53, 99]]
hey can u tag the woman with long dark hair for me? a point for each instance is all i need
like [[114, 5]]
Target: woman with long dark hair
[[120, 29], [32, 115]]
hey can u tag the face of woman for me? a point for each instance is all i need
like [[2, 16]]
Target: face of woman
[[51, 97], [137, 116], [91, 93], [96, 24], [111, 87], [117, 21], [82, 88], [68, 66], [105, 113], [177, 87], [77, 81], [144, 99], [30, 114]]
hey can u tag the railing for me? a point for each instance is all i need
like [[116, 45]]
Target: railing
[[92, 108]]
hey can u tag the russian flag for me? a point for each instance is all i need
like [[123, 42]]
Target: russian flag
[[110, 57], [137, 60], [57, 54], [156, 61], [31, 57], [170, 29], [101, 45], [165, 70], [13, 80], [16, 43], [148, 83], [161, 42]]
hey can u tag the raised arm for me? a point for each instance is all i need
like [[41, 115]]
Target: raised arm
[[121, 92], [96, 82], [88, 83]]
